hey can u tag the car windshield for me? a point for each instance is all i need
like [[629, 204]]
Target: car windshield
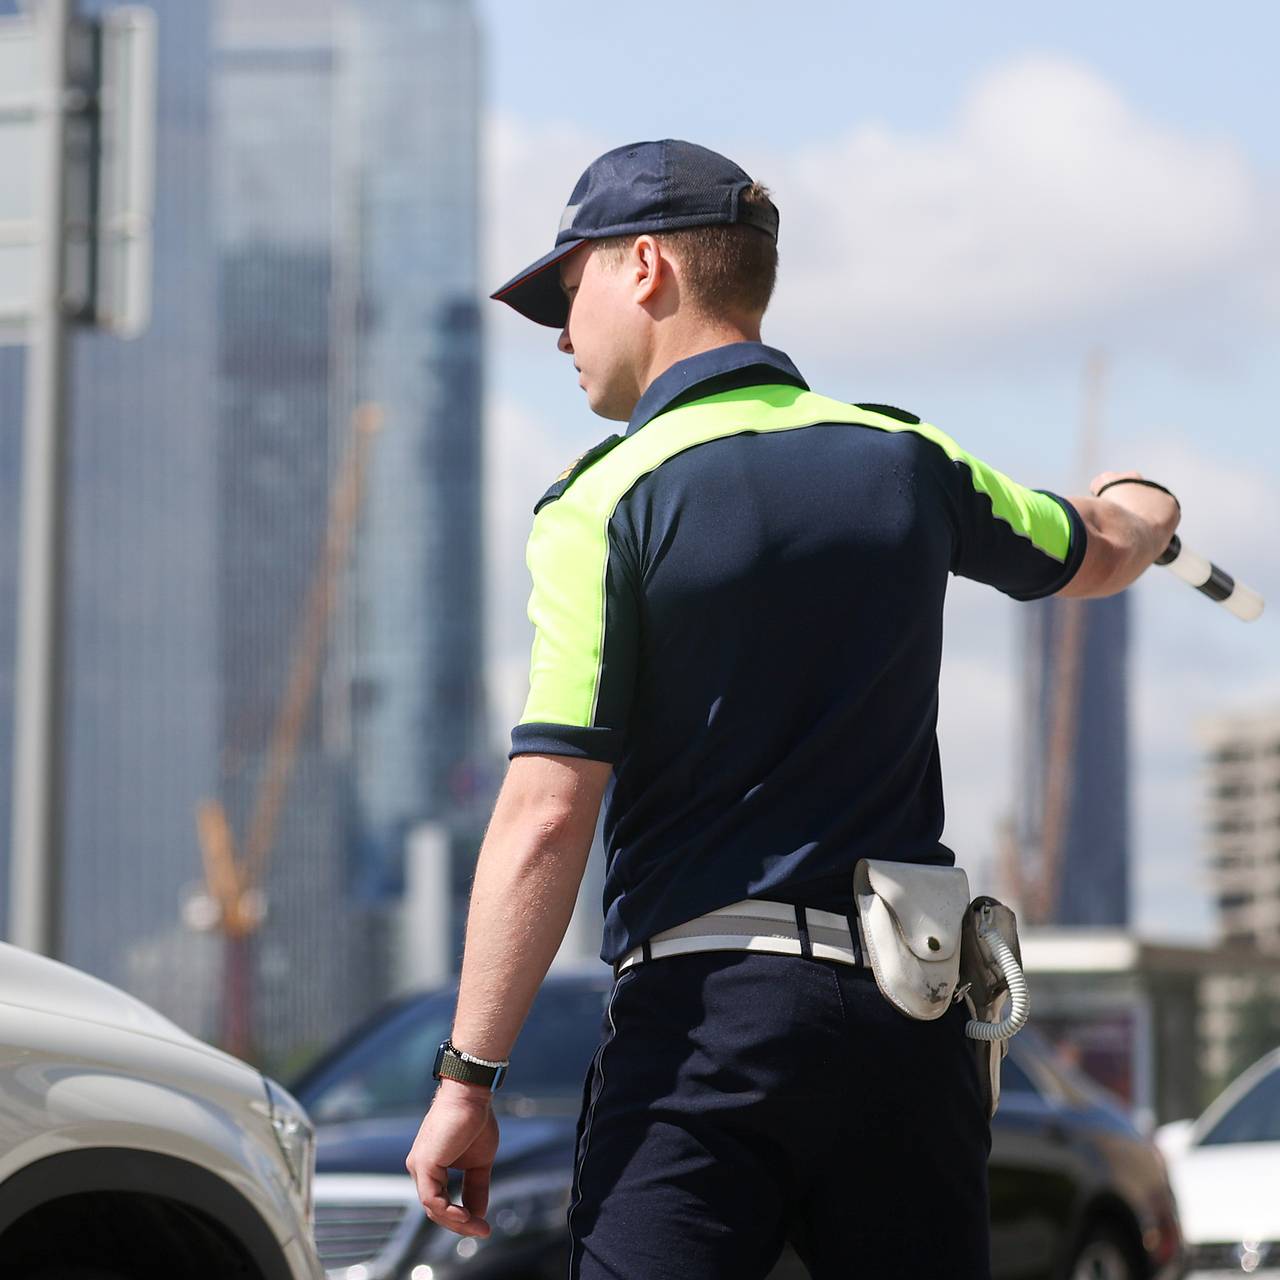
[[1254, 1118], [388, 1071]]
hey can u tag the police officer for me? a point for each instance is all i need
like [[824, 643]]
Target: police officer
[[738, 610]]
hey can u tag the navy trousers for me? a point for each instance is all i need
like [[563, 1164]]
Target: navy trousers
[[740, 1100]]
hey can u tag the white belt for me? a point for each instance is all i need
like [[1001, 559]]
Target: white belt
[[754, 926]]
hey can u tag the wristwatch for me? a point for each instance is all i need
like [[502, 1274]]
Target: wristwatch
[[453, 1064]]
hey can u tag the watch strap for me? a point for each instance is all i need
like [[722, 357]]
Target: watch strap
[[1150, 484], [453, 1064]]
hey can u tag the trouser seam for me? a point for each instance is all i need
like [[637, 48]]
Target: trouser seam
[[597, 1066], [844, 1012]]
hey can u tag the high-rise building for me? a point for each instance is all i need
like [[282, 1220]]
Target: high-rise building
[[315, 248], [1072, 826], [281, 451], [1243, 777], [408, 194], [139, 745]]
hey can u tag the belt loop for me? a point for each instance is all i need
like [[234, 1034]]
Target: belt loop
[[645, 950], [802, 925], [852, 918]]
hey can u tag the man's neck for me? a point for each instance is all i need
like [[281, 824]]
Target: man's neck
[[691, 341]]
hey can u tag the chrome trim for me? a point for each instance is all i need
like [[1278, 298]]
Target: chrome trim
[[368, 1192]]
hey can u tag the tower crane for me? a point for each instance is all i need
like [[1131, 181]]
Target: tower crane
[[1037, 889], [234, 880]]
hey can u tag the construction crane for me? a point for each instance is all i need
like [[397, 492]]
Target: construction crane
[[234, 880], [1037, 889]]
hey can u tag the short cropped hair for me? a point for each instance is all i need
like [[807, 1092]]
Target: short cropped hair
[[725, 268]]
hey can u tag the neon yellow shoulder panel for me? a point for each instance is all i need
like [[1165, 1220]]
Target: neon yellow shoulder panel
[[568, 549]]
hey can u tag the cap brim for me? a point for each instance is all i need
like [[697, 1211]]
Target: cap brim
[[536, 293]]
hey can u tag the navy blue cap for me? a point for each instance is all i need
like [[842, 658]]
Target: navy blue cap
[[644, 186]]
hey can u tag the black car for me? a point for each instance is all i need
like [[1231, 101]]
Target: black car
[[1076, 1192]]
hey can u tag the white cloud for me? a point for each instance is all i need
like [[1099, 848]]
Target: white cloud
[[1199, 658], [1050, 204], [977, 694], [529, 172]]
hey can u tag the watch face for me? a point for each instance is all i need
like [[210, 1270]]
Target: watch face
[[435, 1069]]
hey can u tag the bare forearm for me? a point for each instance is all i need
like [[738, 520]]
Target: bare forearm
[[526, 884], [1127, 530], [520, 907]]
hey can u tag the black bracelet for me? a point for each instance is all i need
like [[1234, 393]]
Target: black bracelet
[[1151, 484]]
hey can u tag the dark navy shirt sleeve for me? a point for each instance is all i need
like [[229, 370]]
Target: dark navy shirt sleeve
[[1025, 542]]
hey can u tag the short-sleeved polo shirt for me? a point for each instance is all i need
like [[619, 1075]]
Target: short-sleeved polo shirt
[[738, 604]]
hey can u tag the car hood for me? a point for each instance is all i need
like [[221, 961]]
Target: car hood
[[381, 1145], [1227, 1193], [30, 981]]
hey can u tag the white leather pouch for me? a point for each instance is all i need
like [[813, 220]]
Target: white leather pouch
[[911, 918]]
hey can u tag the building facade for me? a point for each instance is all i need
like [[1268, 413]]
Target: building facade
[[315, 249], [408, 190], [316, 958], [347, 226], [1243, 828]]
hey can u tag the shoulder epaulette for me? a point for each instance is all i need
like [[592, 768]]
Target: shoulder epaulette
[[575, 469], [890, 412]]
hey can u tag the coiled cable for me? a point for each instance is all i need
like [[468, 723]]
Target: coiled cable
[[1019, 996]]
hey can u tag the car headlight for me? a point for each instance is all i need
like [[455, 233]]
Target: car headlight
[[297, 1142], [518, 1208]]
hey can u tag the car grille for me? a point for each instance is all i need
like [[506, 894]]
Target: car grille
[[347, 1234], [1235, 1259]]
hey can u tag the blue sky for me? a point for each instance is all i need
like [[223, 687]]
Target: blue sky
[[747, 71], [972, 199]]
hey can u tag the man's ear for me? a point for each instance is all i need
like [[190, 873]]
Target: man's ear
[[648, 267]]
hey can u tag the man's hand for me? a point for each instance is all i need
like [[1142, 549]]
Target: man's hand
[[460, 1131], [1128, 527], [1153, 506]]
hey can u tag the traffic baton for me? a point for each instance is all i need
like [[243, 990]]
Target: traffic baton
[[1211, 581]]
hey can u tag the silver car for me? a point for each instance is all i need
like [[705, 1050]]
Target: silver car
[[131, 1150]]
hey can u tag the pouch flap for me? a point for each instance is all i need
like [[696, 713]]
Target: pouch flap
[[927, 903]]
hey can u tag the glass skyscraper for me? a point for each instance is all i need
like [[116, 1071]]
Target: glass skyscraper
[[408, 195], [347, 214], [1075, 722], [315, 250], [318, 956]]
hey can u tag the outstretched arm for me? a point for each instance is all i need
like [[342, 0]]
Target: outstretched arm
[[1128, 529]]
